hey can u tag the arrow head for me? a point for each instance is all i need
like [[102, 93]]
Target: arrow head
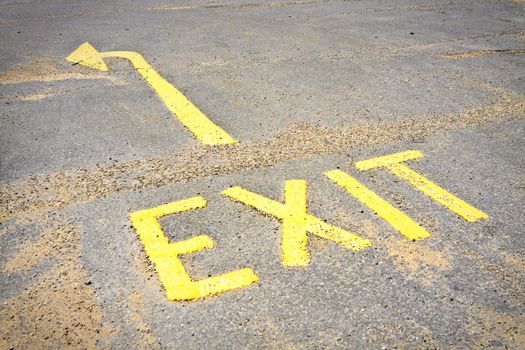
[[88, 56]]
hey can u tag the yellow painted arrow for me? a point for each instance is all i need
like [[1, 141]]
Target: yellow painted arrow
[[203, 128]]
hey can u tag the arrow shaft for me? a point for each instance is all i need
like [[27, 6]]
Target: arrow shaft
[[183, 109]]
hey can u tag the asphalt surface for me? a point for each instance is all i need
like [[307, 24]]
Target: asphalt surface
[[305, 87]]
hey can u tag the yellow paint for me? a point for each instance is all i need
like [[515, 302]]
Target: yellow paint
[[88, 56], [294, 242], [434, 191], [437, 193], [203, 128], [296, 222], [395, 217], [165, 255], [385, 161]]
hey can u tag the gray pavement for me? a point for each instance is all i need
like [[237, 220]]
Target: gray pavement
[[306, 87]]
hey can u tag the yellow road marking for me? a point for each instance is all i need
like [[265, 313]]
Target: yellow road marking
[[434, 191], [88, 56], [385, 161], [203, 128], [164, 255], [296, 222], [395, 217], [294, 242]]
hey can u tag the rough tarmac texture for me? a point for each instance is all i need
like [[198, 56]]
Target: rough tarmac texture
[[306, 86]]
